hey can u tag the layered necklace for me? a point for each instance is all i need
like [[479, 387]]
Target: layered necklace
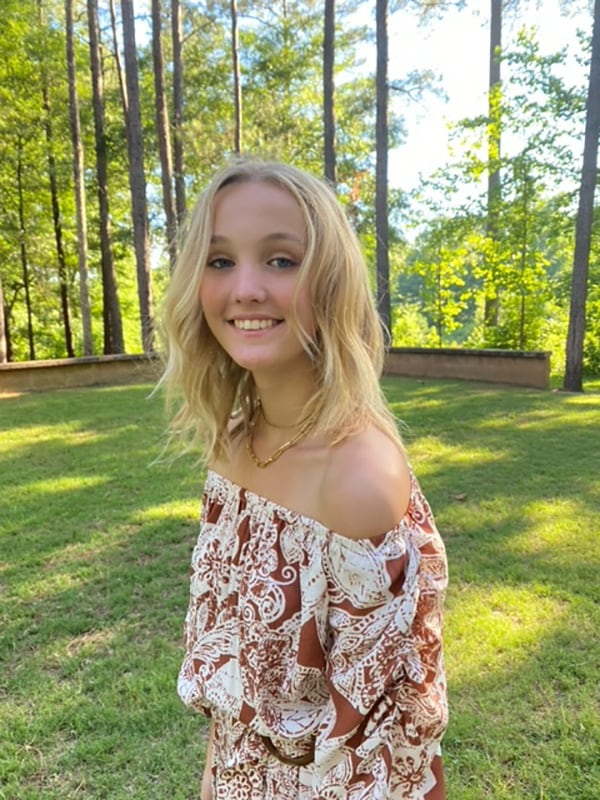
[[304, 426]]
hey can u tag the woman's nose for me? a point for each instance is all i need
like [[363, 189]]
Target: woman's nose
[[249, 284]]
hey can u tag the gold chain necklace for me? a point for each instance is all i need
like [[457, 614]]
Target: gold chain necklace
[[302, 432]]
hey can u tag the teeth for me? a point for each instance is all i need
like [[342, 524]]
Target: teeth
[[254, 324]]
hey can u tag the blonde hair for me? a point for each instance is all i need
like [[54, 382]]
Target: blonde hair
[[347, 351]]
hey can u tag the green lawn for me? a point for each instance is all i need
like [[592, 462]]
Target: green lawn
[[94, 549]]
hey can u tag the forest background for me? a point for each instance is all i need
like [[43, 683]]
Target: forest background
[[112, 118]]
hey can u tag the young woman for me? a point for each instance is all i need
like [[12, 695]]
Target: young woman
[[313, 635]]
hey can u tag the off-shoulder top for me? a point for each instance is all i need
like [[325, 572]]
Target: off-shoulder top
[[315, 640]]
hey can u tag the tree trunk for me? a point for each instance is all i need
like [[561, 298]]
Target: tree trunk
[[381, 170], [58, 238], [63, 284], [118, 64], [573, 381], [3, 321], [329, 92], [237, 83], [79, 186], [113, 328], [23, 250], [137, 179], [164, 137], [494, 187], [178, 158]]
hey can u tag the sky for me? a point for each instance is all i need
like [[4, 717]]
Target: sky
[[457, 48]]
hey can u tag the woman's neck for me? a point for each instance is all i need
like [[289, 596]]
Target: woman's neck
[[283, 403]]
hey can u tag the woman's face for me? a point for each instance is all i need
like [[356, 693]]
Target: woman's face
[[257, 246]]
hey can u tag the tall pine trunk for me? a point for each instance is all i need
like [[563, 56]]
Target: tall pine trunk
[[585, 217], [63, 285], [118, 64], [3, 327], [329, 155], [113, 327], [163, 132], [178, 154], [381, 170], [23, 250], [237, 82], [137, 179], [491, 308], [79, 188]]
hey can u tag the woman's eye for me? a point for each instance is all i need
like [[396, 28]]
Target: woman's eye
[[220, 263], [282, 262]]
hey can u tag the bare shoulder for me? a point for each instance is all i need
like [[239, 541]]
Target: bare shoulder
[[366, 486]]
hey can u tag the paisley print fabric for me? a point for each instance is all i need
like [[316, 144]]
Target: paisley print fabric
[[319, 642]]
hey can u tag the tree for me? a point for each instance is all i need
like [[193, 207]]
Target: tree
[[137, 179], [329, 92], [23, 248], [117, 57], [3, 343], [237, 82], [163, 133], [585, 217], [178, 155], [381, 169], [111, 311], [494, 150], [55, 201], [78, 185]]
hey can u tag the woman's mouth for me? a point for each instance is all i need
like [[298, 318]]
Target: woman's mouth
[[254, 324]]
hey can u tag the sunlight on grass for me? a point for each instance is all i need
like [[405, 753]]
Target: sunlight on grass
[[553, 523], [433, 451], [45, 434], [56, 582], [63, 483], [177, 509], [494, 627]]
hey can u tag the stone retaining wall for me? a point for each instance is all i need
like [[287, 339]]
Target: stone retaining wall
[[496, 366], [35, 376], [518, 368]]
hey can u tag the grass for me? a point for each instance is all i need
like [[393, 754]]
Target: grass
[[94, 549]]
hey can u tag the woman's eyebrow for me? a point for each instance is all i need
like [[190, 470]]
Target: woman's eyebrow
[[286, 236], [271, 237]]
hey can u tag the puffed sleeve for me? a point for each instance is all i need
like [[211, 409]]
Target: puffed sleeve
[[387, 708]]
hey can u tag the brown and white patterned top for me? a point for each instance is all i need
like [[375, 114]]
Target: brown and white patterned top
[[313, 639]]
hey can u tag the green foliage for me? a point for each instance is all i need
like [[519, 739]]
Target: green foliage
[[520, 251], [410, 327]]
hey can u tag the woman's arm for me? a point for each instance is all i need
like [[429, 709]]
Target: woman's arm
[[439, 790], [206, 792]]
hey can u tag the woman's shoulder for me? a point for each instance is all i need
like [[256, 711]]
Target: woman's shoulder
[[366, 485]]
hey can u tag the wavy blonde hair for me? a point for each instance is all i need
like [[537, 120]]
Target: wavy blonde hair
[[347, 352]]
